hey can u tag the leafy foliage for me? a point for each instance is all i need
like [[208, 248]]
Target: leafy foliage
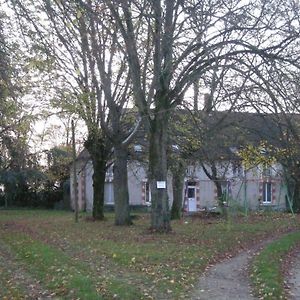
[[264, 154], [58, 170]]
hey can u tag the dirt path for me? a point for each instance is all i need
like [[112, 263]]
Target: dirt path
[[226, 280], [293, 281]]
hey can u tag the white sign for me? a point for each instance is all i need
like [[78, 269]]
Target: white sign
[[161, 184]]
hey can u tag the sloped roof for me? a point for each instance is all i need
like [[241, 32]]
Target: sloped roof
[[217, 134], [83, 155]]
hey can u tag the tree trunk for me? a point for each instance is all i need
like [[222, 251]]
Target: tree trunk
[[99, 166], [7, 195], [296, 197], [220, 197], [121, 195], [99, 155], [160, 214], [219, 192], [293, 188], [196, 86], [178, 182]]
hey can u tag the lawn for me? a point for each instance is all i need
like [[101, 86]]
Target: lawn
[[44, 253], [266, 269]]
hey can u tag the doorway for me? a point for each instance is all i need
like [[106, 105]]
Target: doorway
[[191, 195]]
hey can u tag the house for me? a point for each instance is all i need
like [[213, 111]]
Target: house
[[242, 188]]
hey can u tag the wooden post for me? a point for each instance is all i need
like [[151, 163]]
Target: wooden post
[[74, 174]]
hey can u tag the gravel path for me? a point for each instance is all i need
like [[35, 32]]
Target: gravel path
[[229, 280], [226, 280], [294, 279]]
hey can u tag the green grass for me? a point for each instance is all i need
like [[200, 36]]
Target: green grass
[[58, 272], [97, 260], [65, 277], [266, 273], [7, 286]]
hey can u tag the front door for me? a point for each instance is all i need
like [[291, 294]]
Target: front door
[[192, 205]]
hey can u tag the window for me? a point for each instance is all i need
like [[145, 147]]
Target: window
[[191, 192], [175, 148], [109, 176], [138, 148], [267, 172], [237, 169], [191, 189], [190, 171], [267, 192]]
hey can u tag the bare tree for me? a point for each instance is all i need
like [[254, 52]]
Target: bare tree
[[178, 42], [94, 83], [275, 97]]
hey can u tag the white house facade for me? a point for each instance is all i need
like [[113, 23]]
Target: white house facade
[[242, 189]]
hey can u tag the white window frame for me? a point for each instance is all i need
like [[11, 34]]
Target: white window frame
[[267, 193], [138, 148], [109, 175]]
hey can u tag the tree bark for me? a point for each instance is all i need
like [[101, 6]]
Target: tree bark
[[217, 181], [296, 196], [99, 155], [121, 194], [75, 188], [219, 192], [99, 166], [160, 214], [293, 187], [296, 203], [178, 183], [5, 201]]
